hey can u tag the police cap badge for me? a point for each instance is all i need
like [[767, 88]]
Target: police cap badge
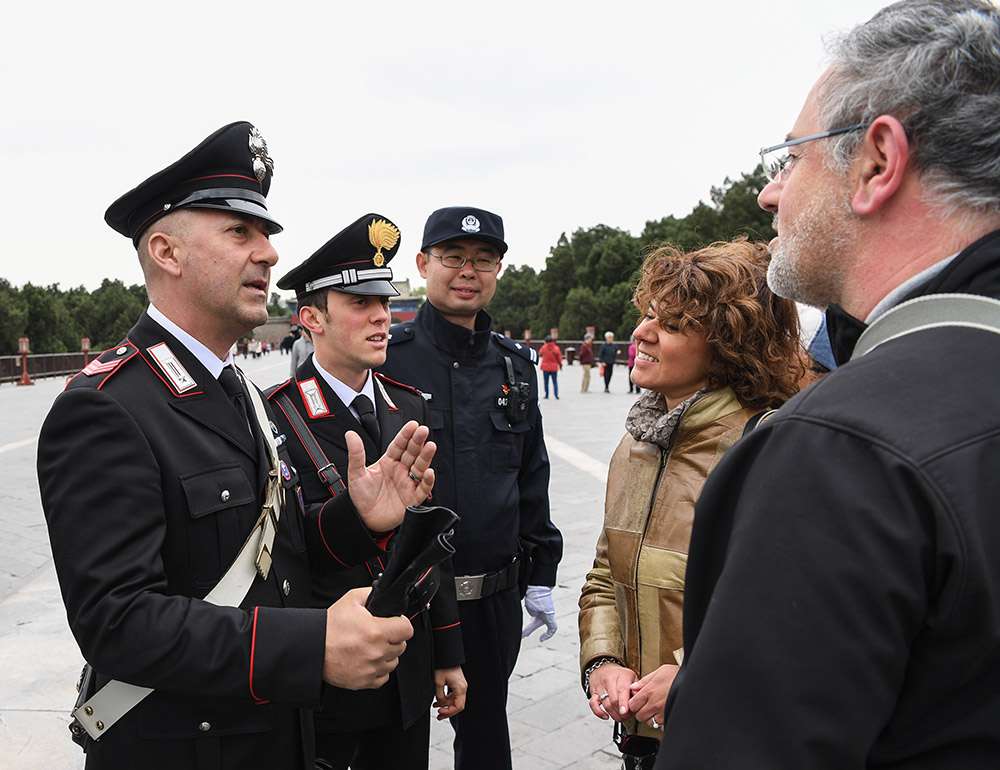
[[464, 223]]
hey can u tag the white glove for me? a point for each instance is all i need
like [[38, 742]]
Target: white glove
[[538, 603]]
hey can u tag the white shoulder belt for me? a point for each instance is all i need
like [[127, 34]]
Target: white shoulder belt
[[930, 312], [115, 699]]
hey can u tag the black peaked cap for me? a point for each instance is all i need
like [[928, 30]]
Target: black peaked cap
[[464, 222], [355, 261], [229, 171]]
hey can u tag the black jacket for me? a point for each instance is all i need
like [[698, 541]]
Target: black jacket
[[149, 491], [437, 639], [842, 607], [491, 470]]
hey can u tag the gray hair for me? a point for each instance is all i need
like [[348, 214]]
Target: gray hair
[[934, 65]]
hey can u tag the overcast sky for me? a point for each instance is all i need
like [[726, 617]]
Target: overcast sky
[[556, 115]]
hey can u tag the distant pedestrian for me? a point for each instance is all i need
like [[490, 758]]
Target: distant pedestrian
[[586, 360], [607, 355], [302, 348], [551, 357]]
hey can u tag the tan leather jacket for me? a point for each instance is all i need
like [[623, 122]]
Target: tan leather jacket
[[630, 606]]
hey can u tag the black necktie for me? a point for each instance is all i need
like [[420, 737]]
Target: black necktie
[[366, 416], [230, 383]]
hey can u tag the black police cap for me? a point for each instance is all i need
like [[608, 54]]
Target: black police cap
[[355, 261], [464, 222], [229, 171]]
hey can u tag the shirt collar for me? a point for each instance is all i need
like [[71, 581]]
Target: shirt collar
[[345, 393], [907, 287], [844, 329], [205, 357]]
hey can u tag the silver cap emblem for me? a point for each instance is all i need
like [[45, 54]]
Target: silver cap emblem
[[470, 224], [262, 162]]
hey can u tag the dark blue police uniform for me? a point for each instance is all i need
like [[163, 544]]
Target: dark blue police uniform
[[494, 473]]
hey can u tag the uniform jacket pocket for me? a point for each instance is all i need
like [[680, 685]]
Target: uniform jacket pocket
[[222, 503], [507, 443]]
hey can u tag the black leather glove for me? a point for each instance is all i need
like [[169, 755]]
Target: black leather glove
[[410, 581]]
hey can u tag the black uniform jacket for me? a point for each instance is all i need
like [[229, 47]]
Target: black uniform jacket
[[491, 470], [437, 639], [150, 483], [842, 602]]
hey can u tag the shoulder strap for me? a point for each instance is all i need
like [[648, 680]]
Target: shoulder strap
[[930, 312], [757, 419], [525, 351], [325, 470], [115, 699]]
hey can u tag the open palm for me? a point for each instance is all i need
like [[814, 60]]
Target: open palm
[[382, 491]]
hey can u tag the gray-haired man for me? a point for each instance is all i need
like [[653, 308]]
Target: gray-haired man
[[842, 606]]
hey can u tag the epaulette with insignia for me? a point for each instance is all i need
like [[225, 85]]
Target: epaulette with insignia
[[275, 388], [404, 386], [385, 396], [403, 332], [525, 351], [97, 372]]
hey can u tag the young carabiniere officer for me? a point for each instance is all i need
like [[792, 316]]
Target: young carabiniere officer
[[334, 408]]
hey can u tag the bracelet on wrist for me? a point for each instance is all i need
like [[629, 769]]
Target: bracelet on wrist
[[593, 667]]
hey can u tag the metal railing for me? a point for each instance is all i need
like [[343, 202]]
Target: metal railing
[[42, 365]]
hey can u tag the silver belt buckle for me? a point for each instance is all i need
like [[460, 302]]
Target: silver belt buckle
[[469, 587]]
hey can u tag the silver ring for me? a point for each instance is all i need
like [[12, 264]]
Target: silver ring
[[602, 696], [414, 479], [656, 725]]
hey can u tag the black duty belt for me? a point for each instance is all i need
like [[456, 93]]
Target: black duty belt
[[469, 587]]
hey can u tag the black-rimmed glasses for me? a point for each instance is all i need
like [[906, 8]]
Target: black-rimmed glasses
[[455, 261]]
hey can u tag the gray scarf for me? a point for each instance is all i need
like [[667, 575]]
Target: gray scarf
[[649, 420]]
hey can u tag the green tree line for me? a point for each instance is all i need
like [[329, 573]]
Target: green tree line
[[55, 320], [588, 280], [589, 276]]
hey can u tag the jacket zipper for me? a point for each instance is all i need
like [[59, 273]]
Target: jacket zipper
[[664, 456]]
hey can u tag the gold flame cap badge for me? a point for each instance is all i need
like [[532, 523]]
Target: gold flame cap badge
[[382, 235]]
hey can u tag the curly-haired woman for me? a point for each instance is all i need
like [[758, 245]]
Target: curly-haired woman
[[715, 347]]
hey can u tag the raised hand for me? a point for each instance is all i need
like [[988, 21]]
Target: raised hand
[[401, 477]]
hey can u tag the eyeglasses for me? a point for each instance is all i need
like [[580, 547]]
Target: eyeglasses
[[480, 264], [776, 162]]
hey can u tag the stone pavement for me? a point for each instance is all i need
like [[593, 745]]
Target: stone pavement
[[551, 724]]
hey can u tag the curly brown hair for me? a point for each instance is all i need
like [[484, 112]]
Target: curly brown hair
[[722, 290]]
